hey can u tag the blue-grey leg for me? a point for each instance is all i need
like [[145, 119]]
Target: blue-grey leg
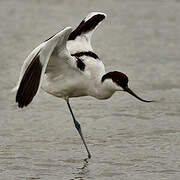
[[78, 127]]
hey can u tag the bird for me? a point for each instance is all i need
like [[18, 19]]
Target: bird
[[66, 66]]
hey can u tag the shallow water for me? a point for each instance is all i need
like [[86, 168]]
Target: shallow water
[[128, 139]]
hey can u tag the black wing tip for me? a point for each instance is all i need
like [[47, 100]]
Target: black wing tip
[[99, 17], [86, 25], [30, 83], [21, 103]]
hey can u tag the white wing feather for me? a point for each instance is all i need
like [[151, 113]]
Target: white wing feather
[[34, 67], [80, 38]]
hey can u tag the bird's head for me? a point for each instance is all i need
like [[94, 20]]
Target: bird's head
[[118, 81]]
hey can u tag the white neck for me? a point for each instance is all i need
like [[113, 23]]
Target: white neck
[[103, 90]]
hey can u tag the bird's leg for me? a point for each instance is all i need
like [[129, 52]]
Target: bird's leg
[[78, 127]]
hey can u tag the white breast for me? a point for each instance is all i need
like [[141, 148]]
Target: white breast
[[74, 83]]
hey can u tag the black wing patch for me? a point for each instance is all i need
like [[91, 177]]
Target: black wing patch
[[80, 64], [29, 83], [86, 26], [86, 53]]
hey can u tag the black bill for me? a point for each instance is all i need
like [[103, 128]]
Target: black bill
[[133, 94]]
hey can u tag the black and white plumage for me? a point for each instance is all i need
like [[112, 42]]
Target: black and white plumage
[[66, 66]]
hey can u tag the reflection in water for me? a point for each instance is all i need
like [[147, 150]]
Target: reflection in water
[[81, 171]]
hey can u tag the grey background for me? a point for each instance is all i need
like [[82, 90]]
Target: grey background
[[128, 139]]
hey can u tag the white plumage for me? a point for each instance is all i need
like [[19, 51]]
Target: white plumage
[[66, 66]]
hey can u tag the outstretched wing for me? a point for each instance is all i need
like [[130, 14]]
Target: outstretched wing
[[34, 67], [80, 39]]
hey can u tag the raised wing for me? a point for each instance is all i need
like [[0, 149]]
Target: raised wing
[[34, 67], [80, 39]]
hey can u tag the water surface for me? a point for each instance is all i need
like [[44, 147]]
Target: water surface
[[128, 139]]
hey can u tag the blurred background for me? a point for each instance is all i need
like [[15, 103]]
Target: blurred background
[[128, 139]]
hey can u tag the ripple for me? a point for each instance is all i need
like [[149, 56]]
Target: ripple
[[166, 171], [30, 178]]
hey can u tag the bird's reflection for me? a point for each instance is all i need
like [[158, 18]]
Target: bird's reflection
[[82, 172]]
